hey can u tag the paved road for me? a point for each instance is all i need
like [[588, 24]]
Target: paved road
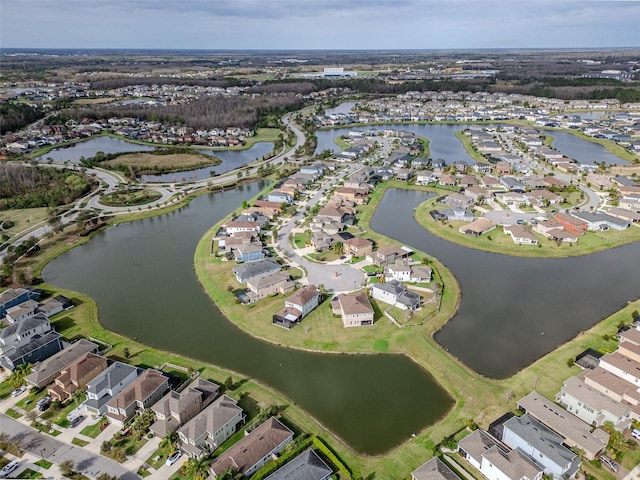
[[43, 445], [337, 278]]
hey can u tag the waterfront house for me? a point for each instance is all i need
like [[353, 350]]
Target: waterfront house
[[520, 235], [306, 466], [478, 227], [246, 272], [297, 306], [279, 197], [571, 224], [107, 385], [176, 408], [396, 294], [434, 469], [249, 253], [18, 334], [254, 450], [139, 395], [21, 312], [358, 246], [210, 428], [269, 284], [354, 308], [15, 296], [43, 373], [38, 348], [388, 254]]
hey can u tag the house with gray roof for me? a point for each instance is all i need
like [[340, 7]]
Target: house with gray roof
[[108, 384], [20, 333], [43, 373], [574, 431], [601, 221], [512, 184], [434, 469], [38, 348], [247, 271], [306, 466], [22, 312], [500, 464], [396, 294], [15, 296], [593, 406], [542, 445]]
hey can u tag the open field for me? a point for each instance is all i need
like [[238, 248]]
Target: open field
[[625, 170], [498, 242], [94, 101], [173, 162], [22, 219]]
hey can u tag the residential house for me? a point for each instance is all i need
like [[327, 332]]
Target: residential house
[[614, 387], [503, 168], [601, 182], [256, 269], [425, 178], [476, 193], [626, 215], [512, 184], [629, 344], [600, 221], [20, 333], [358, 246], [552, 229], [403, 272], [478, 227], [571, 224], [396, 294], [107, 385], [55, 305], [593, 406], [254, 450], [210, 428], [233, 227], [269, 284], [630, 202], [554, 182], [38, 348], [467, 181], [306, 466], [15, 296], [43, 373], [447, 180], [541, 198], [176, 408], [520, 234], [279, 197], [139, 395], [354, 308], [358, 196], [575, 432], [458, 200], [434, 469], [22, 312], [622, 366], [249, 253], [539, 443], [76, 376], [297, 306], [388, 254], [494, 461], [488, 182]]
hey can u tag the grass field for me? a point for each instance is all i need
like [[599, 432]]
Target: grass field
[[94, 101], [22, 218], [130, 198], [469, 148], [174, 162]]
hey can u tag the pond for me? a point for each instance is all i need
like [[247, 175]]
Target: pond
[[88, 148], [583, 151], [514, 310], [141, 276]]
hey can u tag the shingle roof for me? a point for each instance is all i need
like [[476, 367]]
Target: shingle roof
[[212, 418], [306, 466], [513, 464], [434, 469], [47, 369], [355, 303]]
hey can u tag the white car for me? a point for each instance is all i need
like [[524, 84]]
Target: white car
[[173, 458], [18, 391], [8, 468]]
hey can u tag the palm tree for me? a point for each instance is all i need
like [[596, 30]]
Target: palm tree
[[78, 397], [198, 468], [169, 442], [19, 373]]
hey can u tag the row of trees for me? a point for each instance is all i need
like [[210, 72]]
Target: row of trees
[[15, 115]]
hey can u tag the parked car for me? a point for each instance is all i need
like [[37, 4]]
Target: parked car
[[44, 403], [8, 468], [173, 458], [76, 421], [613, 466], [18, 391], [635, 433]]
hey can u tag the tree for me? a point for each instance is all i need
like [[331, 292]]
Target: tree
[[32, 416], [126, 352], [19, 374], [78, 396], [169, 442], [67, 467], [228, 383], [198, 468], [106, 476]]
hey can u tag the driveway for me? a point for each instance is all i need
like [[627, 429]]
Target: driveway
[[43, 445]]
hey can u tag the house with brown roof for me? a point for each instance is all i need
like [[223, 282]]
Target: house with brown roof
[[76, 376], [211, 427], [447, 180], [356, 195], [142, 393], [388, 254], [571, 224], [354, 308], [269, 284], [521, 235], [434, 469], [297, 306], [254, 450], [358, 246], [176, 408], [478, 227], [43, 373]]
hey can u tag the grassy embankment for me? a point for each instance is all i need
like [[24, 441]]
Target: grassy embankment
[[144, 162], [130, 198], [469, 148], [341, 142], [498, 242]]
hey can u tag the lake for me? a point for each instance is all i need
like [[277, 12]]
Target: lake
[[142, 278], [514, 310]]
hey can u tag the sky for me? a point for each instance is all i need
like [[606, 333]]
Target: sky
[[319, 24]]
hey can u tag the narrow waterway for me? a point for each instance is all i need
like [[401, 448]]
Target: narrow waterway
[[514, 310], [141, 276]]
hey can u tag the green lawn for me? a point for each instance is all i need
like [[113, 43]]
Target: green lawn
[[13, 414], [94, 430], [79, 442], [22, 219], [28, 473], [46, 464], [157, 458], [300, 240], [58, 414], [44, 429], [27, 403]]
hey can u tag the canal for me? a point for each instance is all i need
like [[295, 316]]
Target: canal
[[514, 310], [141, 276]]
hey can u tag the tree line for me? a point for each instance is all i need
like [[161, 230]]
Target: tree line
[[15, 115]]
